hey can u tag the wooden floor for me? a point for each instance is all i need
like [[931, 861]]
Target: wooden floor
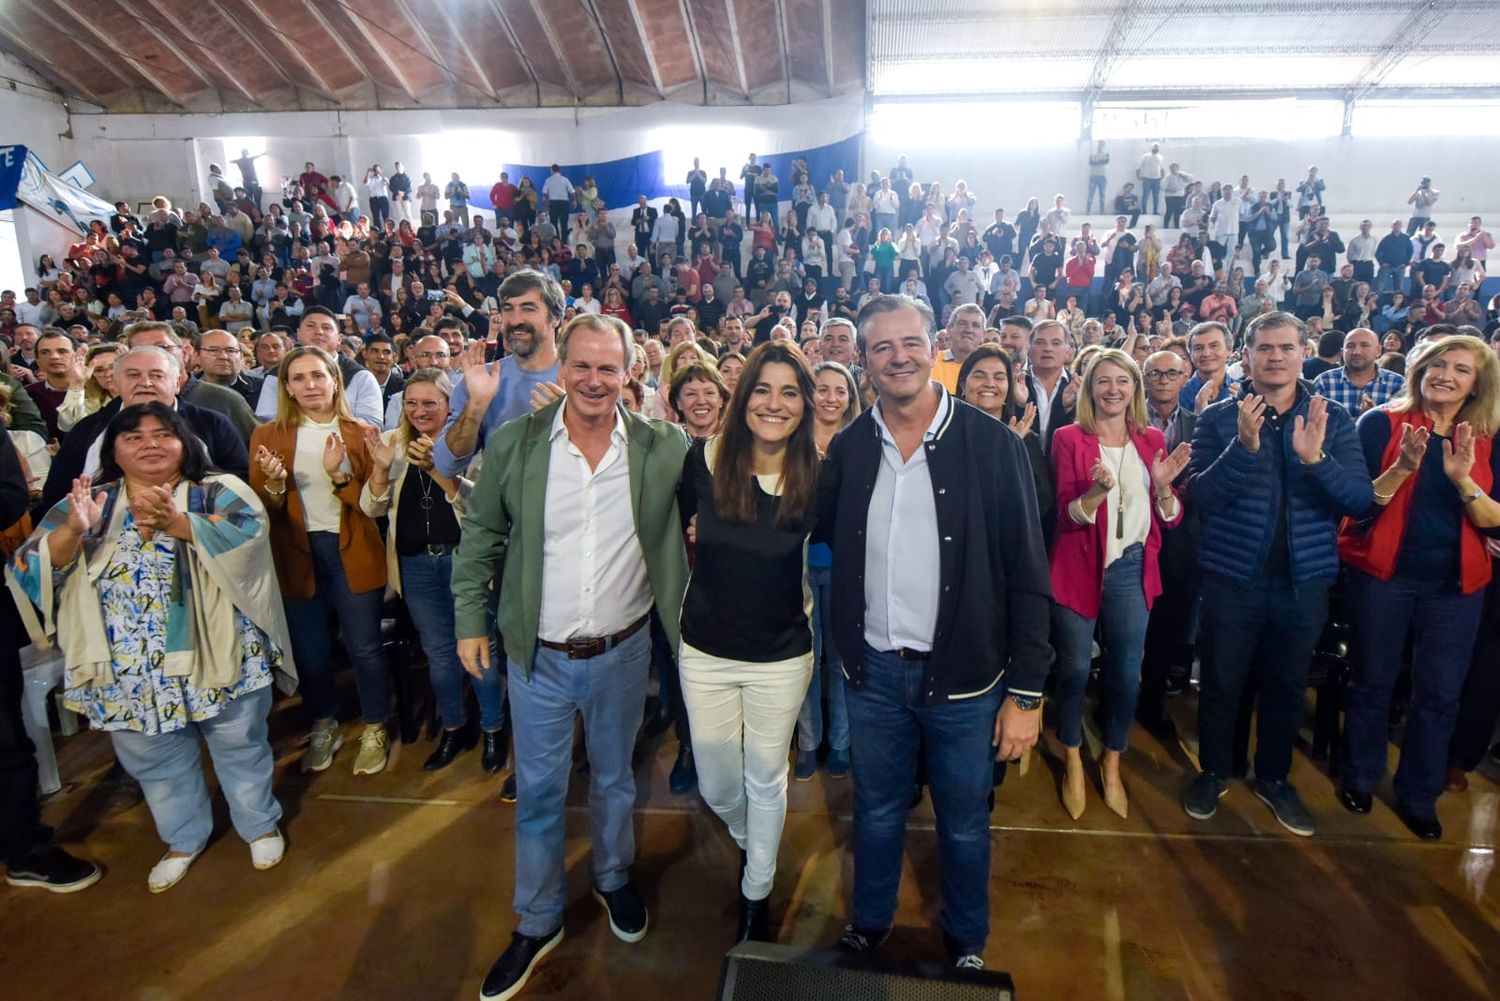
[[398, 886]]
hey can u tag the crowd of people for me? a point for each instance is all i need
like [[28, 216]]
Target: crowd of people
[[570, 464]]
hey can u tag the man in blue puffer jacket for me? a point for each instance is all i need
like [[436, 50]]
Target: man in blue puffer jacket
[[1272, 473]]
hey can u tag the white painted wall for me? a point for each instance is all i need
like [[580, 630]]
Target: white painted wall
[[32, 113], [1370, 176]]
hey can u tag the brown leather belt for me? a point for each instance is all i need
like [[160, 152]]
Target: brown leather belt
[[587, 649]]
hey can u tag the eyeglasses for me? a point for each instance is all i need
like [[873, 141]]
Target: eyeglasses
[[219, 351], [1162, 374], [434, 355]]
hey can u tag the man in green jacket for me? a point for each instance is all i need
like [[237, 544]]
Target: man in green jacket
[[574, 519]]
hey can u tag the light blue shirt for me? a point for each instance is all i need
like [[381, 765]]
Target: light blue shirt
[[902, 572], [512, 400]]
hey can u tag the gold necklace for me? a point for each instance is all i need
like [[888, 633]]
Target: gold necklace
[[1119, 488]]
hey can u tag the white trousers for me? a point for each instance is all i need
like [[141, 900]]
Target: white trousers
[[742, 717]]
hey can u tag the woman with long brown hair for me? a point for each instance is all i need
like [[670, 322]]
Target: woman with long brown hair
[[750, 493], [309, 466]]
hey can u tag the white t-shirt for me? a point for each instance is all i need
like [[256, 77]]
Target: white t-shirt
[[314, 486]]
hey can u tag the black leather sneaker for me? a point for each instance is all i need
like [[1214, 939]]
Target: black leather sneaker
[[862, 940], [627, 912], [515, 965]]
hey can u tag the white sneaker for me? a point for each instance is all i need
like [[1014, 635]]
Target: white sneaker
[[267, 852], [372, 750], [169, 872]]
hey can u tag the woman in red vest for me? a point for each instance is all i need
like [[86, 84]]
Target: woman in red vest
[[1418, 564]]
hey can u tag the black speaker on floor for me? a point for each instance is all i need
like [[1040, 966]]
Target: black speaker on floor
[[759, 971]]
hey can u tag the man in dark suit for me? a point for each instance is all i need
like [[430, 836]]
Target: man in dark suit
[[1169, 631], [142, 374], [1048, 380]]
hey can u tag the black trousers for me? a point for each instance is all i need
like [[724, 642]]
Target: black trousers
[[1173, 217], [1170, 630], [557, 211], [21, 828], [1480, 702], [380, 210]]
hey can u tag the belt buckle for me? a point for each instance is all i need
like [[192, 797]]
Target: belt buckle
[[433, 550], [585, 649]]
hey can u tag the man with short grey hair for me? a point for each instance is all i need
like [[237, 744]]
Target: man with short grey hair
[[142, 374]]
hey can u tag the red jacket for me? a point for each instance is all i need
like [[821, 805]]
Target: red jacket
[[1078, 551]]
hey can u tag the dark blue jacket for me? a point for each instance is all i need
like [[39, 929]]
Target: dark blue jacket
[[226, 449], [996, 603], [1237, 493]]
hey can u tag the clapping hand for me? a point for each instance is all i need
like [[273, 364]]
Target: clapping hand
[[1070, 393], [1103, 477], [1308, 432], [1413, 448], [1252, 416], [153, 508], [382, 452], [84, 508], [333, 454], [270, 463], [1022, 425], [419, 452], [1458, 454], [1207, 394], [544, 393], [1166, 468]]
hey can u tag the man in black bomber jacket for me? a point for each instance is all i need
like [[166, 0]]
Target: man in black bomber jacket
[[942, 599]]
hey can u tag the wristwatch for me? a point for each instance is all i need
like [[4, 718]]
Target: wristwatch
[[1028, 703], [1471, 498]]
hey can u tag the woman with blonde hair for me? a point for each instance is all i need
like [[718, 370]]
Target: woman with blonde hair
[[424, 508], [1114, 496], [309, 467], [835, 404], [1419, 565], [92, 386]]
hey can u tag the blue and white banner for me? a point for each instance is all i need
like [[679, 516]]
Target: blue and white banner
[[12, 159]]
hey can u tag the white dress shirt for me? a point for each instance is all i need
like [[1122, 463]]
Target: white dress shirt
[[902, 571], [594, 579]]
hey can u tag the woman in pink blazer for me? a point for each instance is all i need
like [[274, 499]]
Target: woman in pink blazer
[[1114, 494]]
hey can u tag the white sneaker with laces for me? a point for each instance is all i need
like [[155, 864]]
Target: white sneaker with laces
[[969, 962], [266, 852], [169, 871]]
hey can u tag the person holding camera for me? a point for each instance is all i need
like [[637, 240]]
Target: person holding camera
[[1421, 201]]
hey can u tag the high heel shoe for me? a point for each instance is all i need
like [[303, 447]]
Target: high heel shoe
[[1073, 795], [1114, 789]]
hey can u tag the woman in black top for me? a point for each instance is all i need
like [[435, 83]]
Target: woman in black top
[[424, 508], [744, 674]]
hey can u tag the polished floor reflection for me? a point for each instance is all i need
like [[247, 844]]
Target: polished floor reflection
[[398, 887]]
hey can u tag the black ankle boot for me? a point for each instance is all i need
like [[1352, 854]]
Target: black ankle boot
[[450, 745], [496, 750], [755, 920]]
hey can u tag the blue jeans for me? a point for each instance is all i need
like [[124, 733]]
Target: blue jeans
[[810, 720], [1443, 624], [1096, 186], [359, 626], [170, 771], [426, 589], [889, 724], [1388, 278], [1151, 194], [609, 692], [883, 220], [1123, 618], [1285, 226], [1266, 628]]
